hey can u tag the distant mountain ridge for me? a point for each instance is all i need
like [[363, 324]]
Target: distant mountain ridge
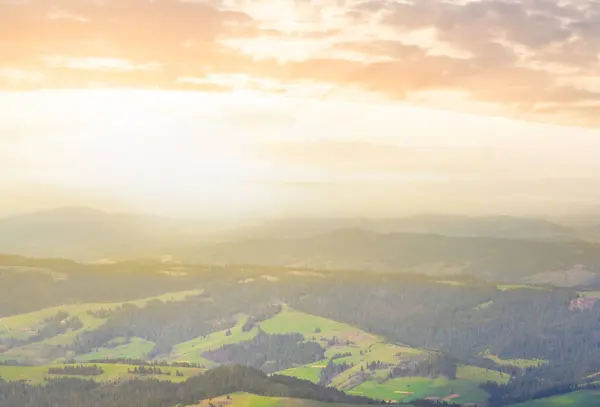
[[490, 258], [85, 233], [449, 225], [501, 248]]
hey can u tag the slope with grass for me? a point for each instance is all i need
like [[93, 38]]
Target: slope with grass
[[192, 351], [24, 328], [463, 390], [366, 348], [321, 330], [112, 372], [491, 258], [134, 348], [520, 363], [343, 343], [581, 398], [252, 400]]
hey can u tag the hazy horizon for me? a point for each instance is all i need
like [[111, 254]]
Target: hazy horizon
[[278, 109]]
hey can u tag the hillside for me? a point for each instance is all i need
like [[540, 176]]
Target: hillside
[[501, 248], [364, 361], [395, 336], [205, 386], [509, 227], [581, 398], [253, 400], [90, 234], [493, 259]]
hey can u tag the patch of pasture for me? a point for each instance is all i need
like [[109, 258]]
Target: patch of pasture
[[520, 363], [590, 294], [580, 398], [508, 287], [364, 347], [413, 388], [29, 374], [484, 305], [311, 372], [289, 320], [112, 372], [481, 375], [136, 348], [451, 282], [252, 400], [191, 351]]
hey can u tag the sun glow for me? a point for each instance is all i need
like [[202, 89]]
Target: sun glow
[[247, 151], [143, 145]]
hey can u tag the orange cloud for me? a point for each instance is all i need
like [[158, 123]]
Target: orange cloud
[[523, 56]]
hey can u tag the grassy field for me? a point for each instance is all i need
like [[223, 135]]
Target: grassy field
[[285, 322], [480, 375], [38, 374], [365, 348], [413, 388], [289, 320], [581, 398], [251, 400], [522, 363], [306, 372], [590, 294], [451, 282], [484, 305], [507, 287], [464, 389], [191, 351], [137, 348]]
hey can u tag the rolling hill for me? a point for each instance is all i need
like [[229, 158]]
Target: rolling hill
[[212, 384], [494, 259], [90, 234], [367, 358], [253, 400], [510, 227], [383, 335]]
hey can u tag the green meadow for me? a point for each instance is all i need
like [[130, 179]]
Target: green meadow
[[135, 348], [361, 346], [521, 363], [252, 400], [581, 398], [413, 388], [39, 374], [306, 372], [289, 320]]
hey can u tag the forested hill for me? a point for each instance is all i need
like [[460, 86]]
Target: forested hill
[[153, 393], [501, 226], [489, 258], [88, 234], [31, 284]]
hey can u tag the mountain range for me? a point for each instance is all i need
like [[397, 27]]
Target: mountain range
[[498, 248]]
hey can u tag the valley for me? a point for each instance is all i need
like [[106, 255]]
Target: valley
[[395, 337]]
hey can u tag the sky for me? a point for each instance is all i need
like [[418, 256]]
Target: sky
[[300, 107]]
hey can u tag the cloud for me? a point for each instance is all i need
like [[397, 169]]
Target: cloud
[[521, 56], [356, 160]]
